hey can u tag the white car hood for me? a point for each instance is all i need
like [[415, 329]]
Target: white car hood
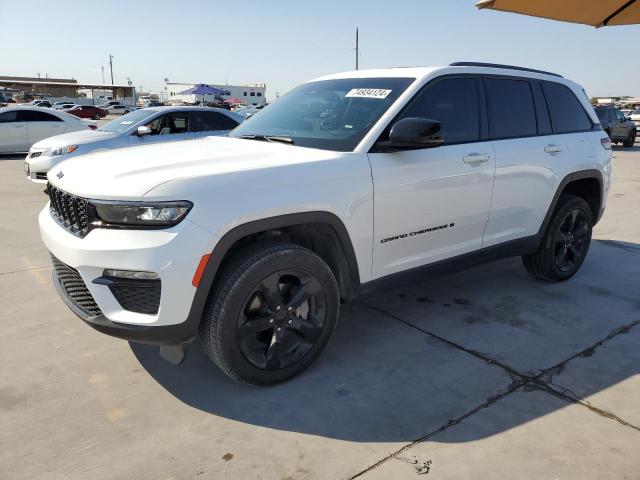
[[80, 137], [129, 173]]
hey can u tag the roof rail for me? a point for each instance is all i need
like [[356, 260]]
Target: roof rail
[[497, 65]]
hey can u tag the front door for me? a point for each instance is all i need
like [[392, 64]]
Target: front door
[[431, 204], [13, 133]]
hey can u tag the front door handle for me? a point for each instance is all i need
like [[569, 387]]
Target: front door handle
[[476, 158], [553, 148]]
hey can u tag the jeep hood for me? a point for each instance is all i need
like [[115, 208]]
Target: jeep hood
[[129, 173]]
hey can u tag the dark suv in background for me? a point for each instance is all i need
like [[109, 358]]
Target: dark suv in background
[[620, 129]]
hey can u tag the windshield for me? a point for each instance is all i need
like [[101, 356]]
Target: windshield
[[126, 121], [329, 114]]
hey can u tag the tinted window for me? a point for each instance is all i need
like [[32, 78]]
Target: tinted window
[[454, 102], [34, 116], [169, 124], [601, 113], [619, 115], [211, 121], [567, 112], [8, 117], [542, 111], [510, 108]]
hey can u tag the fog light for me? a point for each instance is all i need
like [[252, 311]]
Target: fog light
[[132, 274]]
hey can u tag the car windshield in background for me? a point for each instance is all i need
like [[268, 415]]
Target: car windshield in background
[[329, 114], [124, 122], [601, 113]]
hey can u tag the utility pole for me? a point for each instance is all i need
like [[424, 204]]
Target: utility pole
[[357, 48], [102, 74], [111, 67]]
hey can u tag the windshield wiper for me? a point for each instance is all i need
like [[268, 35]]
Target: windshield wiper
[[268, 138]]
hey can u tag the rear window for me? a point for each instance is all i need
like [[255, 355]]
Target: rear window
[[510, 108], [567, 112]]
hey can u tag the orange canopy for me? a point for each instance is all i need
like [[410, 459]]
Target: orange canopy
[[599, 13]]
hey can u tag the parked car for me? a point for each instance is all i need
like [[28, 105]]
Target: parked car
[[109, 103], [246, 112], [87, 111], [118, 109], [22, 127], [635, 117], [140, 127], [620, 129], [626, 111], [64, 105], [251, 241], [35, 103]]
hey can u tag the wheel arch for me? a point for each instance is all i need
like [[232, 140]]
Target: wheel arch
[[323, 231], [588, 184]]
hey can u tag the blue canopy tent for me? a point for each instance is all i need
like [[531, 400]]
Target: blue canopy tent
[[203, 89]]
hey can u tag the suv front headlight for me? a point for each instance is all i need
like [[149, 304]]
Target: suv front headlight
[[152, 214], [56, 152]]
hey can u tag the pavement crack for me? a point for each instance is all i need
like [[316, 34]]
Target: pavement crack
[[482, 356], [515, 385], [25, 270]]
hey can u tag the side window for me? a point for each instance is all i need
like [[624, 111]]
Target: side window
[[169, 124], [9, 117], [510, 108], [542, 111], [567, 112], [619, 115], [455, 103], [210, 121], [33, 116]]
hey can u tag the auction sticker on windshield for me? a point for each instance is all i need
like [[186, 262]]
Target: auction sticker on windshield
[[126, 122], [368, 93]]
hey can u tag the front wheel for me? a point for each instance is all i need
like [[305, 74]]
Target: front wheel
[[630, 140], [271, 315], [565, 243]]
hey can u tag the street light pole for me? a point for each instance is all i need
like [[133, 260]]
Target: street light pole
[[111, 67]]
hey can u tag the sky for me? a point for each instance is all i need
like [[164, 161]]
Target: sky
[[283, 43]]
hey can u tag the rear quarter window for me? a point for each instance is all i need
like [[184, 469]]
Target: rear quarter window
[[567, 113]]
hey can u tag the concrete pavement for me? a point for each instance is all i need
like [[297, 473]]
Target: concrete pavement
[[485, 373]]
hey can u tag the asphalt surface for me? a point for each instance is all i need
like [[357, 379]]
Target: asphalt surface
[[481, 374]]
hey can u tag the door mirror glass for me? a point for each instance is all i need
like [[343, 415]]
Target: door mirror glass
[[413, 132], [143, 130]]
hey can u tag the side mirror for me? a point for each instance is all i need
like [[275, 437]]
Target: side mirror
[[143, 130], [415, 133]]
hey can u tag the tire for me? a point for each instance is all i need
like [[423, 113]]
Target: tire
[[565, 243], [245, 333], [630, 140], [96, 117]]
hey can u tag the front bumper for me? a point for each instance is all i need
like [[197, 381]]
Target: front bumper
[[173, 254], [36, 165]]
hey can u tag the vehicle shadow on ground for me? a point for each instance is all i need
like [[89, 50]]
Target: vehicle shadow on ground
[[409, 360]]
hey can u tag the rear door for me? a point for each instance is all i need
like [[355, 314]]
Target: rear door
[[13, 133], [41, 125], [535, 149], [433, 203], [203, 123]]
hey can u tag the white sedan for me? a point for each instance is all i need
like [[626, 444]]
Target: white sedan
[[118, 109], [22, 127], [140, 127]]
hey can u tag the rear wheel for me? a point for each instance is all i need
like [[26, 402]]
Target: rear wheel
[[271, 315], [565, 243], [96, 116], [630, 140]]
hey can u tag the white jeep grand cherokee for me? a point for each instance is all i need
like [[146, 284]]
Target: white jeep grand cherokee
[[253, 240]]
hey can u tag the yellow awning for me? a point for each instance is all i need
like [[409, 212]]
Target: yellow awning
[[599, 13]]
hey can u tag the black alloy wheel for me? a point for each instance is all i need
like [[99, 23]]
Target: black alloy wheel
[[271, 313], [282, 319], [571, 241]]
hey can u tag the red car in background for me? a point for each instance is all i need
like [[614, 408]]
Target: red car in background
[[88, 111]]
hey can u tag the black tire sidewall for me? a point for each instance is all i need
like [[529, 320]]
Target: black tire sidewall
[[567, 204], [243, 280]]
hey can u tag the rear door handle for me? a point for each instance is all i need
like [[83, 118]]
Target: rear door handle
[[553, 148], [476, 158]]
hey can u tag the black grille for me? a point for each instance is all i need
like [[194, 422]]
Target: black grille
[[140, 296], [35, 154], [69, 211], [75, 288]]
